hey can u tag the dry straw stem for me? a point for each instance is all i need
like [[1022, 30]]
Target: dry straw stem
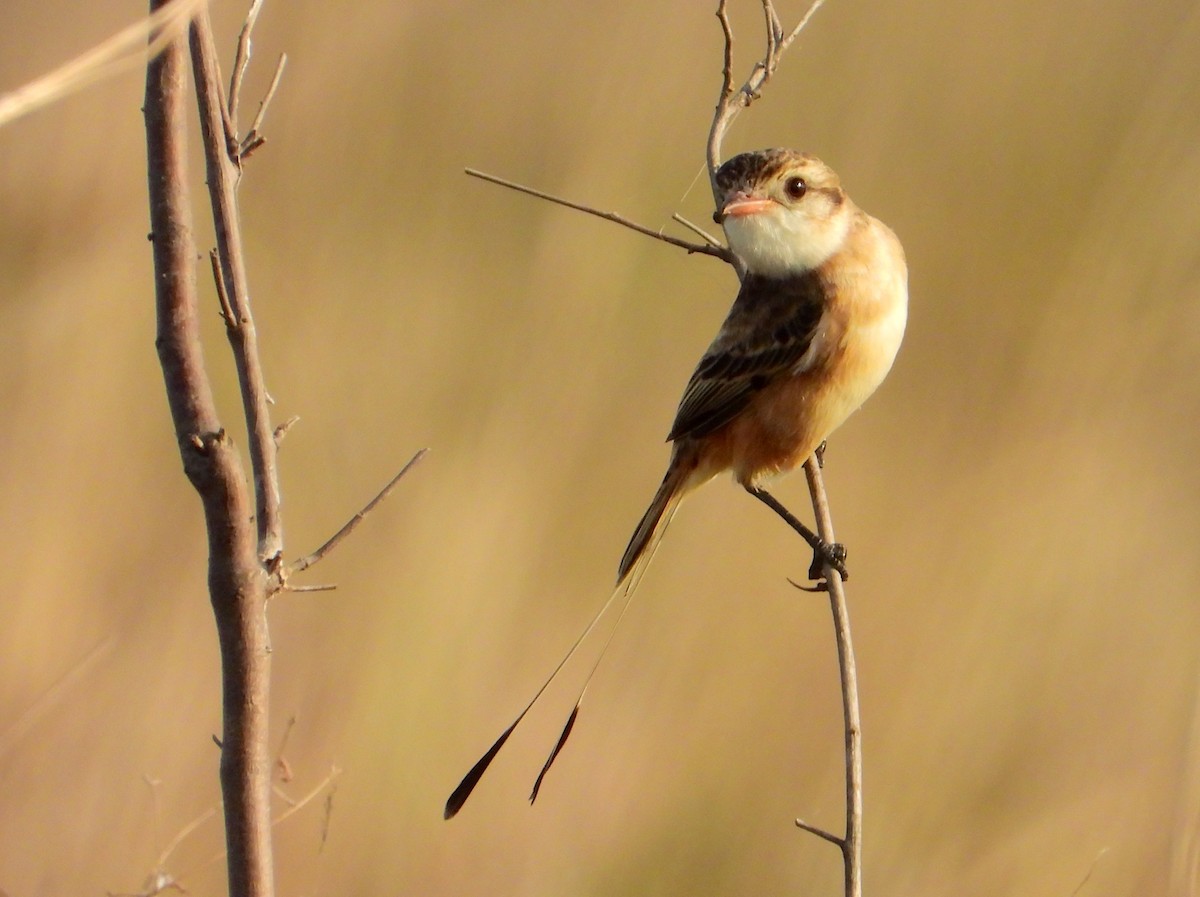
[[124, 50]]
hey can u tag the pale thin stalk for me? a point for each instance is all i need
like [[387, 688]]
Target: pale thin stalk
[[851, 842]]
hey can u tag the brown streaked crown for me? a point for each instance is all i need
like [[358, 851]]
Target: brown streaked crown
[[758, 166]]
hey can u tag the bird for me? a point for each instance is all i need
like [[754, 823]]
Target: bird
[[813, 331]]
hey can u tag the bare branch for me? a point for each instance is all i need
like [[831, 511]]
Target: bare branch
[[716, 251], [332, 776], [729, 104], [351, 524], [222, 181], [253, 138], [820, 833], [800, 26], [774, 29]]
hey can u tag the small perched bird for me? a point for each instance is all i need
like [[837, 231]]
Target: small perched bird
[[812, 333]]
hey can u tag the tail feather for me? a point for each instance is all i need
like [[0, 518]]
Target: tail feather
[[680, 480], [654, 522]]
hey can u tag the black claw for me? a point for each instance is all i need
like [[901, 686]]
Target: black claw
[[822, 586], [831, 554]]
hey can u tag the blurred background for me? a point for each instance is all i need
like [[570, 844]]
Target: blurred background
[[1021, 500]]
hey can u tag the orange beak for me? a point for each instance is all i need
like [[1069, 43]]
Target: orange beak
[[742, 205]]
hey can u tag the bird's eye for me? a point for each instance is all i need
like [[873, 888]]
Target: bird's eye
[[795, 187]]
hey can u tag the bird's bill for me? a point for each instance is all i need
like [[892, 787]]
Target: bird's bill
[[741, 206]]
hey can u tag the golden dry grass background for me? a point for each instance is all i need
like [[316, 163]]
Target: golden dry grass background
[[1020, 500]]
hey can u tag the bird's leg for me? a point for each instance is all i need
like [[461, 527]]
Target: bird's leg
[[825, 553]]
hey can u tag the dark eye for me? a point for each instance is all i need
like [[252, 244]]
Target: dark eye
[[795, 187]]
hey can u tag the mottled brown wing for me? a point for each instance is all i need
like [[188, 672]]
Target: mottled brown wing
[[770, 328]]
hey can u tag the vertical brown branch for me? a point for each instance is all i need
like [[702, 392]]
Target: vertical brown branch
[[237, 580]]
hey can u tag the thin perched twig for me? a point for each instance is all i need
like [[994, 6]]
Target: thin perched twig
[[716, 251], [851, 842], [350, 525]]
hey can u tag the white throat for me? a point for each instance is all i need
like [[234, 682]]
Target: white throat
[[781, 241]]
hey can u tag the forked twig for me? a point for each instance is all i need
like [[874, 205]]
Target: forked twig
[[717, 251], [732, 102]]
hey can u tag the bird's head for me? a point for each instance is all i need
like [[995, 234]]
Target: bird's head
[[784, 212]]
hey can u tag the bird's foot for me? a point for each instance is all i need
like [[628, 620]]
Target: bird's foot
[[825, 554]]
